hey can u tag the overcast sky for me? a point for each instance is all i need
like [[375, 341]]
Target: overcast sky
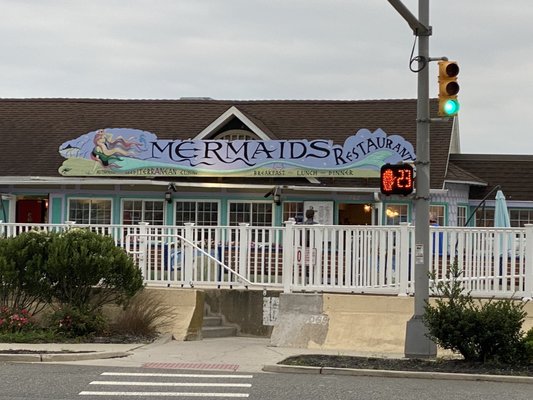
[[275, 49]]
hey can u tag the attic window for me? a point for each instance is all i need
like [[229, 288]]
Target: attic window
[[236, 134]]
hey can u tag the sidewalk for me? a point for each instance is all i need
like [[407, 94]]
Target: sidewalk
[[243, 354], [233, 354]]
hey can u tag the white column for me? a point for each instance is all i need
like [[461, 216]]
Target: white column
[[243, 248], [288, 255], [187, 261], [528, 267], [402, 262], [143, 249]]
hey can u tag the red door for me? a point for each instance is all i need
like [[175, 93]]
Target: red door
[[30, 211]]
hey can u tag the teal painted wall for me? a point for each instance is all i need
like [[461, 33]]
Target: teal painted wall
[[57, 208], [4, 211]]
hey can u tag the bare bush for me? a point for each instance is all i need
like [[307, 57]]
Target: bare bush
[[144, 315]]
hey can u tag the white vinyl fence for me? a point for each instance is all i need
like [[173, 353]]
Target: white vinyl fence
[[326, 258]]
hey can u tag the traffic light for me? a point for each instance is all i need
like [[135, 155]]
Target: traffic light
[[397, 179], [448, 88]]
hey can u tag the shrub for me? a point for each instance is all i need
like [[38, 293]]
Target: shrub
[[142, 315], [528, 342], [498, 335], [486, 332], [72, 322], [23, 281], [13, 320], [87, 270]]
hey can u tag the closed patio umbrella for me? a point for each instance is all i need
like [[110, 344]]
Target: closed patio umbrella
[[501, 220], [501, 213]]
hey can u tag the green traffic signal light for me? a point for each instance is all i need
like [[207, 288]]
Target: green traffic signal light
[[451, 107], [448, 88]]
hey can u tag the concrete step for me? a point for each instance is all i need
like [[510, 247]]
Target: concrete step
[[212, 320], [218, 331]]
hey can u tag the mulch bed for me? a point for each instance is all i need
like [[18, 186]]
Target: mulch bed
[[440, 365]]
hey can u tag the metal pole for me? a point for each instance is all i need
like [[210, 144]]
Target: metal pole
[[417, 344]]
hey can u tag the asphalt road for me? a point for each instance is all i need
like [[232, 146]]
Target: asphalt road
[[59, 381]]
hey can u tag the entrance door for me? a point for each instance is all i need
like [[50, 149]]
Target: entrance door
[[355, 214], [31, 210]]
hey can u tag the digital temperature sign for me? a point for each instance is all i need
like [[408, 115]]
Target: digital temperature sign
[[397, 179]]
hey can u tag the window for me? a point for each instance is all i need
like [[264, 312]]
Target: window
[[90, 211], [256, 214], [397, 213], [437, 213], [293, 209], [135, 211], [202, 213], [520, 217], [485, 217], [461, 215], [236, 134]]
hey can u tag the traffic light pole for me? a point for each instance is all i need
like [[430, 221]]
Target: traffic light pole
[[417, 344]]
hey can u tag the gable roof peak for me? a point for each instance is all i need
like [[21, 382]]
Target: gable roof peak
[[232, 112]]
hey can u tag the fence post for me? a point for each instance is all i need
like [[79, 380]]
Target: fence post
[[320, 266], [288, 255], [188, 262], [528, 265], [404, 259], [243, 248], [143, 249]]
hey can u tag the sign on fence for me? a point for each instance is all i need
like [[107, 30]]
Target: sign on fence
[[306, 256]]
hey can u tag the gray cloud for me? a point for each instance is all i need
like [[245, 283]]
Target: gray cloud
[[273, 49]]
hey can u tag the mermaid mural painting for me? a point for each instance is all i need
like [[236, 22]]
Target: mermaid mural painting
[[122, 152], [108, 149]]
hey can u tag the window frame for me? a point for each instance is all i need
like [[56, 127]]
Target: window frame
[[519, 210], [465, 208], [407, 215], [196, 201], [90, 199], [481, 215], [441, 219], [293, 213], [251, 202], [143, 210]]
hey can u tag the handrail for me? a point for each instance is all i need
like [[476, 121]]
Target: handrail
[[482, 203], [194, 245]]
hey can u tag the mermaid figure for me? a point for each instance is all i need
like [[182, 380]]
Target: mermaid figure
[[108, 151]]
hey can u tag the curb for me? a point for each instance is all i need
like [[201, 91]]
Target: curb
[[396, 374], [46, 357]]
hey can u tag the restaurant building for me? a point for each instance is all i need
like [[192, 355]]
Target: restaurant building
[[218, 162]]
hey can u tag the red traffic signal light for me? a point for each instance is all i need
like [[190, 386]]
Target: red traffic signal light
[[448, 88], [397, 179]]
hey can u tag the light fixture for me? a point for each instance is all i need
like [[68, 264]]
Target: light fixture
[[277, 196], [392, 213], [367, 208], [168, 196]]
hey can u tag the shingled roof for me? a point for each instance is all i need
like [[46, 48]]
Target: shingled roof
[[514, 173], [33, 129], [457, 174]]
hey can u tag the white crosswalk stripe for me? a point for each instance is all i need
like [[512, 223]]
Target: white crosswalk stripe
[[194, 384], [118, 383], [164, 394]]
